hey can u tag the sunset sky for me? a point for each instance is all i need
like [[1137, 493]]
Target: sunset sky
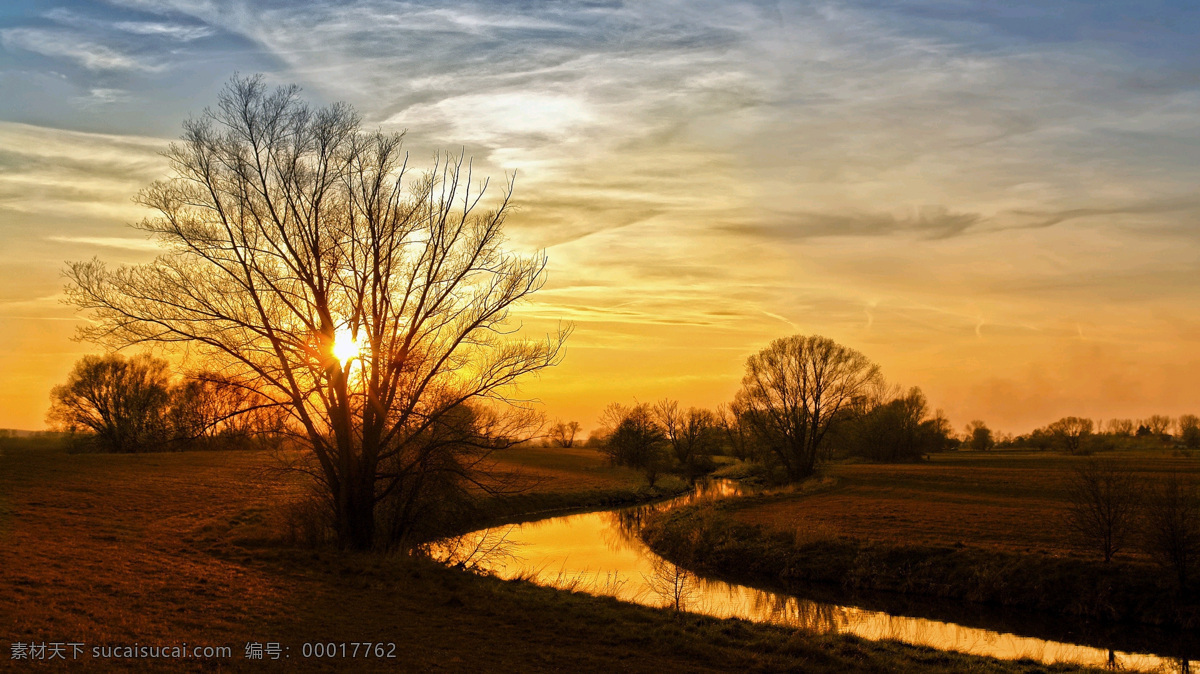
[[996, 201]]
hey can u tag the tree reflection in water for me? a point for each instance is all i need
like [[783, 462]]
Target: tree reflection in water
[[675, 586], [480, 551], [802, 614]]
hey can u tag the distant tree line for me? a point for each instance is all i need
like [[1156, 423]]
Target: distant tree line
[[1081, 435], [806, 399], [803, 400], [112, 403]]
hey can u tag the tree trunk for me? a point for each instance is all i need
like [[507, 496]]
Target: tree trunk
[[356, 516]]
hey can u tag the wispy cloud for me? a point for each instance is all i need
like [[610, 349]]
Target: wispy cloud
[[933, 222], [75, 47], [64, 173], [108, 242], [182, 32], [738, 168]]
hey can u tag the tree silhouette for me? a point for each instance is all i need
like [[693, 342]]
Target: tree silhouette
[[1172, 526], [1070, 432], [123, 402], [563, 434], [1158, 424], [1189, 430], [979, 436], [794, 389], [1103, 510], [288, 230], [692, 433]]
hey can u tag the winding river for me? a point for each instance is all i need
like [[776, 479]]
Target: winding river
[[601, 553]]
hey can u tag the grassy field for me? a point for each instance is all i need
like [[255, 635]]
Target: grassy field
[[987, 528], [1010, 501], [170, 548]]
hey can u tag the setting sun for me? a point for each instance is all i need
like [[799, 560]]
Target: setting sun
[[345, 346]]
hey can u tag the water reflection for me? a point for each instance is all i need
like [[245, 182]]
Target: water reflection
[[601, 553]]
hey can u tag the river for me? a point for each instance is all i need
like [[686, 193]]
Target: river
[[601, 553]]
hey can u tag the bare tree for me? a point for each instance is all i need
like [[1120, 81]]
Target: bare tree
[[563, 434], [638, 441], [1103, 511], [211, 408], [736, 434], [371, 307], [477, 551], [1123, 427], [610, 417], [794, 389], [1070, 432], [1189, 431], [1173, 526], [1158, 424], [123, 401], [690, 433], [673, 584]]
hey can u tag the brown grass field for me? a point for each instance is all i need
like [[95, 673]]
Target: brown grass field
[[165, 549], [1010, 501]]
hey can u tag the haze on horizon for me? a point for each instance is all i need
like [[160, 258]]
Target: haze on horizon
[[996, 204]]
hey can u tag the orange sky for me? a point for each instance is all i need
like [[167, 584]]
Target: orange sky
[[999, 210]]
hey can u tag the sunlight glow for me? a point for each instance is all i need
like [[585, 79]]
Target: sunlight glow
[[345, 346]]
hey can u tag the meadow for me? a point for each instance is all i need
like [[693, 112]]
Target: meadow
[[986, 527], [998, 500], [185, 547]]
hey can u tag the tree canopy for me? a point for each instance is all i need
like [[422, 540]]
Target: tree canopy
[[288, 229]]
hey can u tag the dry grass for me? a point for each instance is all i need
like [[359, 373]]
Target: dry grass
[[1015, 502], [559, 470], [172, 548]]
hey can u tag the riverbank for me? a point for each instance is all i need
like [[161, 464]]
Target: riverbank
[[557, 481], [747, 540], [168, 548]]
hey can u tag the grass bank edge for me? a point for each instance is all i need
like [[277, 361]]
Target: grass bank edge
[[706, 537]]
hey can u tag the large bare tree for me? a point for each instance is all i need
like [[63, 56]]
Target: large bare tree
[[794, 389], [374, 307]]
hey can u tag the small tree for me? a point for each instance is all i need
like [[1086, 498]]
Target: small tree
[[123, 402], [1103, 497], [637, 440], [1070, 432], [979, 436], [673, 584], [1173, 526], [563, 434]]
